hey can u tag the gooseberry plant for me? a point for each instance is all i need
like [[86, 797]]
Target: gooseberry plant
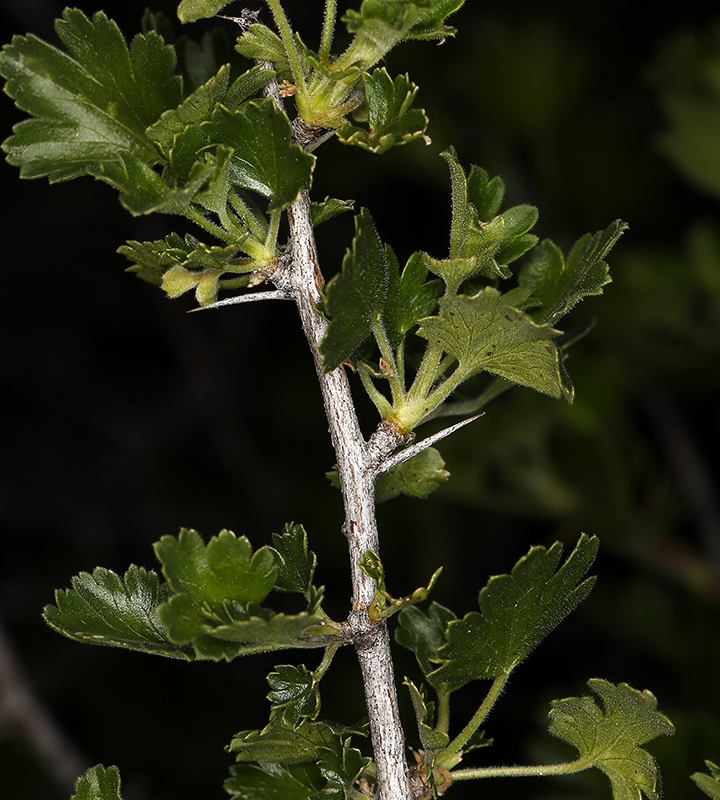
[[176, 131]]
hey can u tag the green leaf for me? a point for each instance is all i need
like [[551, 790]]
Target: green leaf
[[409, 298], [98, 783], [430, 738], [710, 784], [264, 159], [432, 25], [89, 109], [294, 691], [559, 285], [329, 208], [272, 782], [188, 257], [262, 44], [392, 121], [341, 765], [144, 191], [279, 630], [610, 738], [102, 608], [354, 299], [484, 334], [196, 108], [212, 585], [424, 634], [419, 476], [378, 26], [294, 562], [481, 241], [193, 10], [517, 612], [280, 743]]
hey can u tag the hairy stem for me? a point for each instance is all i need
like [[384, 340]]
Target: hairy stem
[[357, 468], [566, 768]]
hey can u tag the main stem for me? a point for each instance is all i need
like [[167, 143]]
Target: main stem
[[357, 462]]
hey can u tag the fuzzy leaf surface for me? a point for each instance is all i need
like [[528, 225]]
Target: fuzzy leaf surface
[[419, 476], [98, 783], [391, 120], [103, 608], [484, 334], [340, 765], [329, 208], [517, 611], [264, 159], [611, 738], [432, 25], [710, 784], [87, 107], [354, 299], [558, 284]]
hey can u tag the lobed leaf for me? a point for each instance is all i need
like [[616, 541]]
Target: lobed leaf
[[341, 765], [610, 738], [710, 784], [355, 298], [98, 783], [212, 585], [196, 108], [329, 208], [280, 743], [269, 781], [295, 692], [419, 476], [295, 564], [89, 109], [558, 285], [517, 611], [103, 608], [392, 122], [484, 334], [264, 159]]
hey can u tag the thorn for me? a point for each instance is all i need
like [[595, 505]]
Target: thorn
[[277, 294], [414, 449]]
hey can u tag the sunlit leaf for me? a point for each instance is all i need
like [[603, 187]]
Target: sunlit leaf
[[193, 10]]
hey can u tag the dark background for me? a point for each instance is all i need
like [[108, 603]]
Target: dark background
[[125, 419]]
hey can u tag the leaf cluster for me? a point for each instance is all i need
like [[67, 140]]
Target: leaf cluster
[[471, 325], [210, 605]]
